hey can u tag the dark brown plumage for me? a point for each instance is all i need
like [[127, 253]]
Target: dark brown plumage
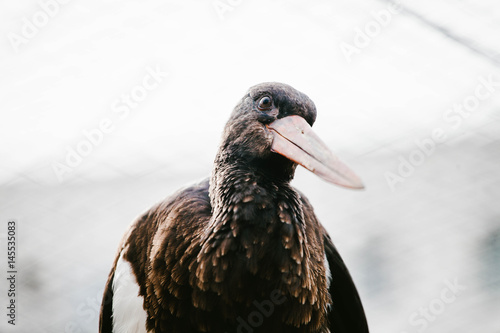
[[244, 251]]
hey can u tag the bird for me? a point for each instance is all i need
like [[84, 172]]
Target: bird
[[241, 251]]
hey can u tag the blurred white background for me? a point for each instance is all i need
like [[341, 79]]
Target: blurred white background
[[109, 106]]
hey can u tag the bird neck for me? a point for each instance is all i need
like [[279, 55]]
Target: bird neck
[[253, 215], [258, 229], [242, 183]]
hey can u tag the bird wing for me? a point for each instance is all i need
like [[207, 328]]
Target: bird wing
[[155, 233], [346, 315], [106, 311], [105, 316]]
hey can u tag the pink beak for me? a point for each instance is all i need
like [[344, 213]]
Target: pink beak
[[295, 139]]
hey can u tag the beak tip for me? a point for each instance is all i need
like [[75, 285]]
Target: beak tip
[[352, 184], [359, 186]]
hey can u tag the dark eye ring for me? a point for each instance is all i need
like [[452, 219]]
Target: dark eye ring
[[265, 103]]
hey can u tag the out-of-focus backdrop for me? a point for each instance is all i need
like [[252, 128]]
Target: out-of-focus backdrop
[[109, 106]]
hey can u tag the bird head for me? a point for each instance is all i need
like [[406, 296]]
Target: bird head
[[270, 131]]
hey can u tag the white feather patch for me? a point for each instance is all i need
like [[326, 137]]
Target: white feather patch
[[128, 312], [328, 283], [328, 273]]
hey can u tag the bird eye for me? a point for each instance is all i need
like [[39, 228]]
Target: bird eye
[[265, 103]]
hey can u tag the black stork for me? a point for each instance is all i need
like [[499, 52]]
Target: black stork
[[243, 250]]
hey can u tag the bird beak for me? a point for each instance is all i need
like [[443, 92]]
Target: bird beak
[[294, 138]]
